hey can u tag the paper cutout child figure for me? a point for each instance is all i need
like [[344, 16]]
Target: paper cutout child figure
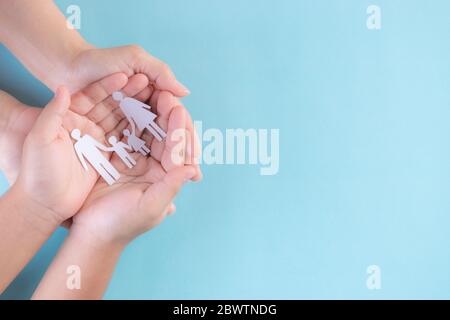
[[120, 148], [87, 148], [139, 113], [136, 143]]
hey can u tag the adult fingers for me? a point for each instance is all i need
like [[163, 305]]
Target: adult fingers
[[157, 71], [50, 120]]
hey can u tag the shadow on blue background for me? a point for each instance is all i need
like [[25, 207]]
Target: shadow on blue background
[[364, 160]]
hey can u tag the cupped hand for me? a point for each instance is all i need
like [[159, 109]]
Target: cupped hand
[[93, 63], [50, 172], [108, 116], [49, 176], [143, 195], [17, 118]]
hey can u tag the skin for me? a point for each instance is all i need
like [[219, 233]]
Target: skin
[[65, 58], [52, 186], [29, 214], [31, 209], [113, 216], [18, 119]]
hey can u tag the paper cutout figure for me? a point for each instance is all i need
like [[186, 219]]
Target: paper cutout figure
[[120, 149], [87, 148], [139, 113], [136, 143]]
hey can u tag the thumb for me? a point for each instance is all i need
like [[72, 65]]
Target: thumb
[[51, 118], [164, 191]]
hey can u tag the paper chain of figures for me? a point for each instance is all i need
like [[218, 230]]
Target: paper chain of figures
[[138, 115]]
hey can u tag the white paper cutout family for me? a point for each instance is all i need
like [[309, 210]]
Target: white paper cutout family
[[90, 150]]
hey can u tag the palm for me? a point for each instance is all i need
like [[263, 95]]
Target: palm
[[94, 113], [59, 171], [75, 182], [136, 63], [107, 207], [136, 197], [57, 180], [62, 183]]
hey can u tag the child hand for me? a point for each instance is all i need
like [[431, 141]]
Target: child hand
[[143, 196], [112, 121], [49, 177], [17, 118], [51, 185], [50, 174]]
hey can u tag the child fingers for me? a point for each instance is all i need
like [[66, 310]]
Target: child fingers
[[161, 194], [51, 118], [171, 209], [86, 99]]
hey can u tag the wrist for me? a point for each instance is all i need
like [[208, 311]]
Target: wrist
[[29, 212], [64, 76], [93, 240]]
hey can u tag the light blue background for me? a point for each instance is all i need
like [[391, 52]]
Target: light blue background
[[364, 174]]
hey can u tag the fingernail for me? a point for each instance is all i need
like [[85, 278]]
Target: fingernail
[[199, 174], [185, 89], [58, 92], [190, 174]]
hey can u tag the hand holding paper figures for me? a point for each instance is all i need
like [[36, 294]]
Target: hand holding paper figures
[[46, 153], [142, 198], [56, 155], [50, 172], [138, 114]]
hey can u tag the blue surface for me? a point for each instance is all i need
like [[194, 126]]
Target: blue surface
[[364, 152]]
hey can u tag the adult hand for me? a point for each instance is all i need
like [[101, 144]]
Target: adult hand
[[92, 63]]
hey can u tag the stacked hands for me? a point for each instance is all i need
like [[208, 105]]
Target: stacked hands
[[50, 186], [52, 182]]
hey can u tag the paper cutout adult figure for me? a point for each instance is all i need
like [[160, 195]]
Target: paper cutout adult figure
[[120, 149], [87, 148], [139, 113], [136, 143]]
